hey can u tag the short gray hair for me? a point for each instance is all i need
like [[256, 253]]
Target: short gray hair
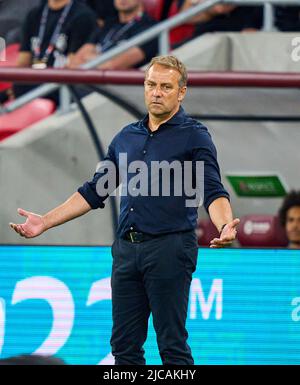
[[171, 62]]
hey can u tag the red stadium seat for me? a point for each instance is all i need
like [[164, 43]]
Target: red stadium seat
[[154, 8], [206, 231], [11, 56], [25, 116], [261, 231], [181, 33]]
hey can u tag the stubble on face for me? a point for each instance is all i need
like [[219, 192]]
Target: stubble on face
[[162, 91]]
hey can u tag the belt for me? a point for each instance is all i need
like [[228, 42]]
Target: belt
[[135, 237]]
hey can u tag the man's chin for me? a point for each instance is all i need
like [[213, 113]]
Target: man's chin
[[160, 116], [157, 110]]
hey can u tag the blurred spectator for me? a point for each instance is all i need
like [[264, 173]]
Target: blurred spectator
[[183, 32], [12, 17], [104, 9], [289, 215], [287, 19], [225, 17], [131, 21], [52, 33]]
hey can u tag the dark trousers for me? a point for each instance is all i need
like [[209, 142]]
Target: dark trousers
[[152, 276]]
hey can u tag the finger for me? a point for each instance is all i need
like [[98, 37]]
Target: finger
[[17, 230], [24, 213], [235, 222], [21, 230], [221, 244], [24, 232], [219, 241], [224, 239], [15, 227], [224, 244], [228, 239], [215, 239]]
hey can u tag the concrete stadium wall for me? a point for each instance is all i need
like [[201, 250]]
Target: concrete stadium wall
[[260, 51], [46, 163]]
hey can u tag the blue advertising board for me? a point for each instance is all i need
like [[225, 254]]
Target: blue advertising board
[[244, 305]]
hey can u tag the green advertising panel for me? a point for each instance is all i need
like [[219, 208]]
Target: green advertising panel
[[263, 186]]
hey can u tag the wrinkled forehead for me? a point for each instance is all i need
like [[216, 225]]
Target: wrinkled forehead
[[163, 74]]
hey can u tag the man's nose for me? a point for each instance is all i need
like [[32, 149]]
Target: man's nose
[[157, 91]]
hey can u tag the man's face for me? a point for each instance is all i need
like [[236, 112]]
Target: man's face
[[162, 92], [292, 226], [127, 5]]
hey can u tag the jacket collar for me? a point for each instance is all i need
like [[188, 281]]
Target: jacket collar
[[176, 119]]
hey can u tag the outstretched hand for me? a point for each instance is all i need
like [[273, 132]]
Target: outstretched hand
[[227, 235], [33, 226]]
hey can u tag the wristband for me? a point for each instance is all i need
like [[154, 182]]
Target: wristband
[[222, 228]]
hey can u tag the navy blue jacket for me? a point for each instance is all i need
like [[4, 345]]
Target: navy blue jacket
[[182, 139]]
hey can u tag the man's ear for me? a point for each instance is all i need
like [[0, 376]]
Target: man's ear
[[181, 94]]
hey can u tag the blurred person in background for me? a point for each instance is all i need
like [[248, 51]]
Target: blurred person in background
[[224, 17], [289, 215], [131, 21], [51, 34], [104, 9], [54, 31]]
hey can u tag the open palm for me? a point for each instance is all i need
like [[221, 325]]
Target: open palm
[[227, 235], [33, 226]]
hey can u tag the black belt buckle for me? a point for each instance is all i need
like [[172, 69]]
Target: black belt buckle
[[135, 237]]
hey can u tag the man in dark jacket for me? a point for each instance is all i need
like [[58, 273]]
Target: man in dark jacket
[[155, 252]]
